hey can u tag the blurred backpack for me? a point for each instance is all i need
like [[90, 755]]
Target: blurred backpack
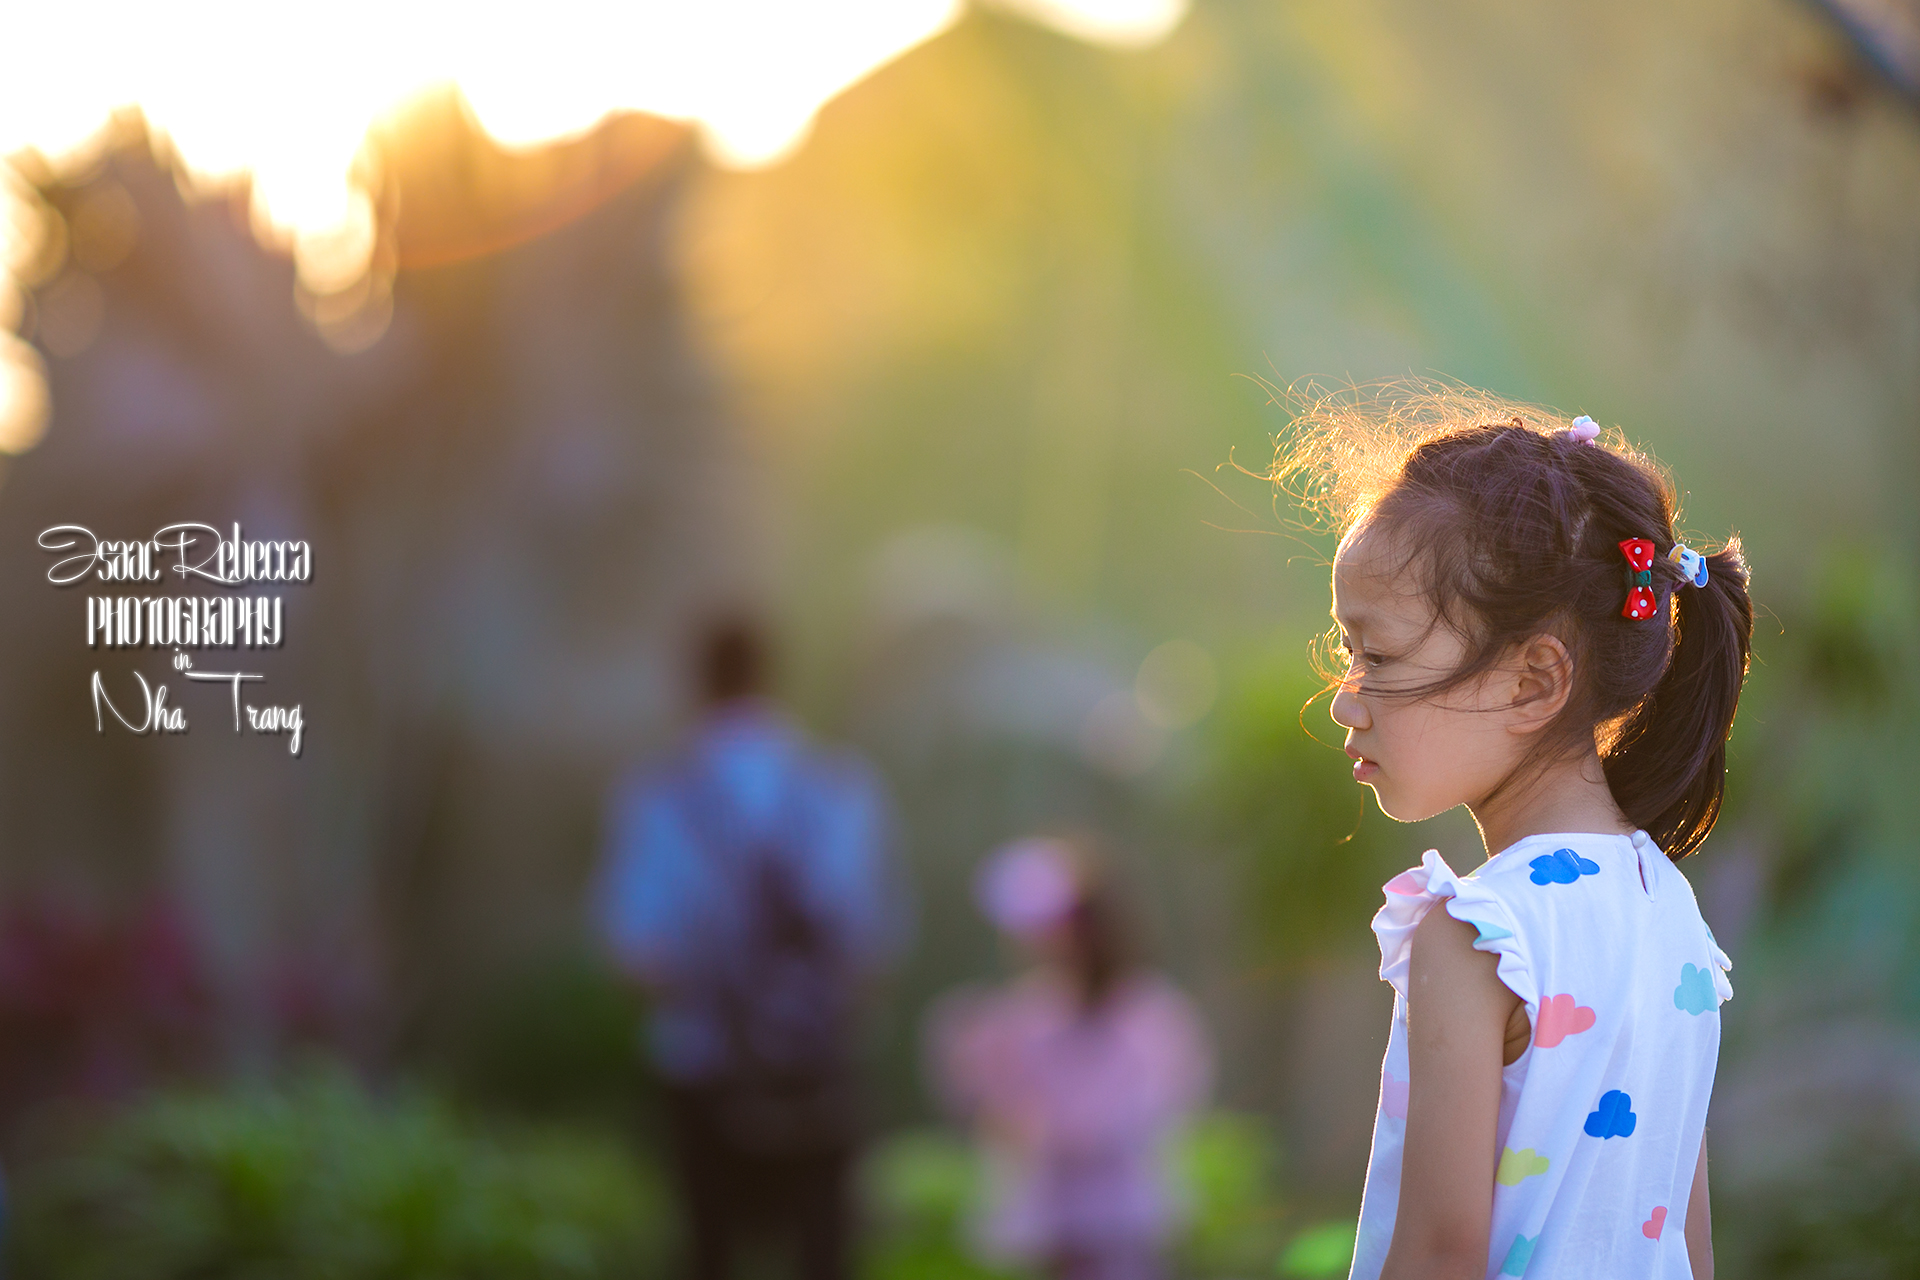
[[785, 997]]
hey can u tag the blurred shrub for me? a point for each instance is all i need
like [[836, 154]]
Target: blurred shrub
[[923, 1186], [95, 1002], [1322, 1250], [1230, 1165], [558, 1037], [921, 1189], [320, 1181]]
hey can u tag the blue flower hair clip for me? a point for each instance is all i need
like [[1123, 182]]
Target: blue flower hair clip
[[1691, 562], [1583, 430]]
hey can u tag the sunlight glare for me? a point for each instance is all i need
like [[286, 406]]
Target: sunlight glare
[[1127, 23], [23, 396], [751, 74], [284, 93], [277, 99]]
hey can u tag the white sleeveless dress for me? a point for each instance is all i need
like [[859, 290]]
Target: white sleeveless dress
[[1601, 1117]]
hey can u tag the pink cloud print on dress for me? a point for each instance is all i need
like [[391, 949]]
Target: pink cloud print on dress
[[1393, 1095], [1028, 886], [1560, 1017]]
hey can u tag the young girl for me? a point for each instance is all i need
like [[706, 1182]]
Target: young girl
[[1524, 635], [1074, 1077]]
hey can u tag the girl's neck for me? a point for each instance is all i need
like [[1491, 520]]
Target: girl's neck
[[1568, 795]]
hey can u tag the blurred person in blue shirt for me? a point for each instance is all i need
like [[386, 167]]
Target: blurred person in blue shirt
[[750, 889]]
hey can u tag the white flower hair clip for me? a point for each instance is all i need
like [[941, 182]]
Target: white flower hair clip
[[1691, 562], [1583, 430]]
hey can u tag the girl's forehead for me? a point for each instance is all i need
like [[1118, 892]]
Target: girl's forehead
[[1371, 582], [1367, 562]]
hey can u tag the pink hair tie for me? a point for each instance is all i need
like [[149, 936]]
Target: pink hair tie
[[1583, 430]]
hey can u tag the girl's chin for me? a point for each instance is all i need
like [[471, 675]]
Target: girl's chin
[[1395, 807]]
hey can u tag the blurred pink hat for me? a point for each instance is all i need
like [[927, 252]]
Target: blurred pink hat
[[1028, 886]]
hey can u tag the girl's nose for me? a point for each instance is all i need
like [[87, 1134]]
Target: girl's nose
[[1348, 711]]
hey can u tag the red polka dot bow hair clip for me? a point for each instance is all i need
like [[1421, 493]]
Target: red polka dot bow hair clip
[[1641, 602], [1640, 598]]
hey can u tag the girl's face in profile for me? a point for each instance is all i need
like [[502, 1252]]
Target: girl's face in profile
[[1424, 755]]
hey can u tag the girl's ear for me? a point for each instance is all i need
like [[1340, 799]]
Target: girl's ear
[[1543, 681]]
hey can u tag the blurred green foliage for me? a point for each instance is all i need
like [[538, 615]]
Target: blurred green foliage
[[1229, 1163], [923, 1187], [1822, 756], [1310, 846], [1857, 1218], [557, 1037], [1322, 1250], [1821, 785], [320, 1180]]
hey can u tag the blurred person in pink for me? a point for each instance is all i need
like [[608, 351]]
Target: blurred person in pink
[[1074, 1077]]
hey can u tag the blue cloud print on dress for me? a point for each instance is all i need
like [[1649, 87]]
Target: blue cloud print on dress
[[1518, 1256], [1695, 993], [1562, 866], [1613, 1118]]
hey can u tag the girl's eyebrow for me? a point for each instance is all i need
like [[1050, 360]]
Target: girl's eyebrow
[[1356, 620]]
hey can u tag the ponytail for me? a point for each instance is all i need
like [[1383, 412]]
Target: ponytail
[[1667, 765]]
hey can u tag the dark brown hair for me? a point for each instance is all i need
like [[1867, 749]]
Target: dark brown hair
[[1104, 952], [1515, 528], [732, 659]]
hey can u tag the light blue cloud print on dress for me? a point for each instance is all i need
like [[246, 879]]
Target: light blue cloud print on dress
[[1695, 993], [1489, 932], [1518, 1255]]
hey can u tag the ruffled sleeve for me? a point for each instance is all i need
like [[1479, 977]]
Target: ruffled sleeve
[[1412, 893], [1722, 965]]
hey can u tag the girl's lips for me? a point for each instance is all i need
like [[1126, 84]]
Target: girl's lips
[[1363, 768]]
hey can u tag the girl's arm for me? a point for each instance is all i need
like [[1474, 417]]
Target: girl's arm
[[1700, 1221], [1457, 1011]]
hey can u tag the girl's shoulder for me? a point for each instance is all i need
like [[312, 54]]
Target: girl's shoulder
[[1477, 900]]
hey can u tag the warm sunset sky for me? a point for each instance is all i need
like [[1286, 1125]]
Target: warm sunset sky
[[284, 93]]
